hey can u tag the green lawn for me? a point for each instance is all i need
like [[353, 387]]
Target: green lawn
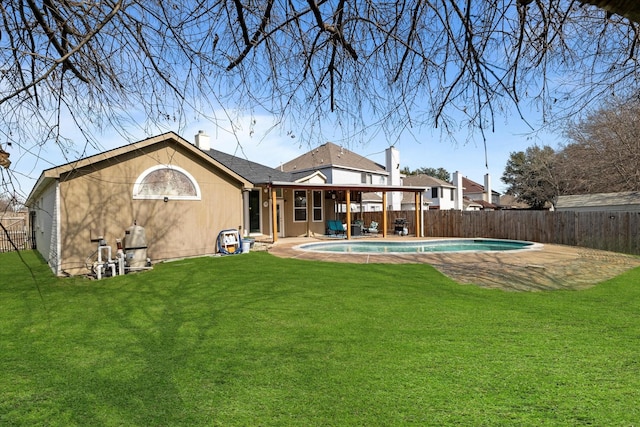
[[254, 340]]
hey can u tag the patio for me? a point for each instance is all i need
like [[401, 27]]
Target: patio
[[551, 267]]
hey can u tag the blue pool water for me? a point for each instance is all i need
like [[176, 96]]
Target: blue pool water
[[413, 246]]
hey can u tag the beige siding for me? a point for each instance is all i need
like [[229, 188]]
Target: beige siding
[[98, 201], [301, 228]]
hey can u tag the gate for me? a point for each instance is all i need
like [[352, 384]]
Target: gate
[[14, 232]]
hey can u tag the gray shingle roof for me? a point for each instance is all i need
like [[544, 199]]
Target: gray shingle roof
[[599, 199], [330, 154], [251, 171], [426, 180]]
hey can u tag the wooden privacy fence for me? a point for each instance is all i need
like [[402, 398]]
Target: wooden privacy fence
[[367, 217], [17, 234], [612, 231]]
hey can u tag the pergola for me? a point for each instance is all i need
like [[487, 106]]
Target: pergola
[[348, 189]]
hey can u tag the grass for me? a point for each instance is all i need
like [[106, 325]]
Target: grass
[[257, 340]]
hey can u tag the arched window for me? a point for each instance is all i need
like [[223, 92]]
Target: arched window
[[163, 181]]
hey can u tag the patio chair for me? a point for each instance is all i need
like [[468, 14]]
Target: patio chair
[[373, 228], [335, 227]]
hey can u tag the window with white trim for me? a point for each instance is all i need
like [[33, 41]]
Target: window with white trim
[[316, 197], [169, 181], [366, 178], [299, 205]]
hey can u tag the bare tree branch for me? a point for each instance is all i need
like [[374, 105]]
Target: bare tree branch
[[397, 66]]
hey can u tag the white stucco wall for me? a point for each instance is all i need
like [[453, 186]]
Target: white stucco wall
[[443, 201]]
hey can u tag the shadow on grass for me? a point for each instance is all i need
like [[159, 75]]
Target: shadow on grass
[[256, 340]]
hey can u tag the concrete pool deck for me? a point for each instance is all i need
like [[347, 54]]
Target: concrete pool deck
[[547, 268]]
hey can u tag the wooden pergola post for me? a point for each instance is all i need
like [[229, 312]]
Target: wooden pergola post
[[348, 197], [418, 214], [274, 215], [310, 188], [309, 211], [384, 214]]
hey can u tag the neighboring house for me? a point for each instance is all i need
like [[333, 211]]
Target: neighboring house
[[476, 205], [341, 166], [508, 201], [461, 194], [478, 193], [409, 201], [184, 194], [628, 201], [338, 164], [438, 195]]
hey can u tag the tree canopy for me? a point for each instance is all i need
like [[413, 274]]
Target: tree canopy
[[530, 175], [440, 173], [603, 153], [85, 66], [602, 156]]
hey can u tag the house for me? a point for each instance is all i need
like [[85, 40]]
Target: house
[[460, 194], [628, 201], [350, 184], [475, 205], [339, 165], [184, 194], [439, 194], [478, 194], [508, 201], [179, 193]]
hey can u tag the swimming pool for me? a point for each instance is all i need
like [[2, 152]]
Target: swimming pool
[[413, 246]]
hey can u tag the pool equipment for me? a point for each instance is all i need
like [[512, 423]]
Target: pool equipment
[[135, 247], [105, 265], [130, 256]]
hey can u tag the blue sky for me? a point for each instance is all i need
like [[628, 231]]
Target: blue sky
[[263, 143], [427, 148]]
